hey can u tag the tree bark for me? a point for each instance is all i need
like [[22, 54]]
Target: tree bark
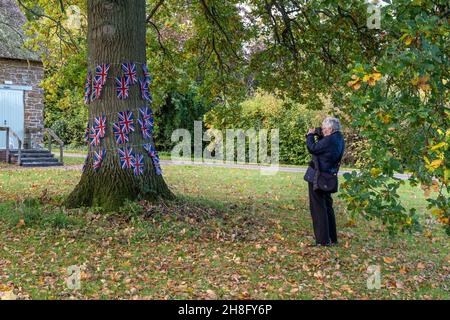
[[116, 34]]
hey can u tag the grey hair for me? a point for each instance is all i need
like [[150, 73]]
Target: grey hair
[[332, 123]]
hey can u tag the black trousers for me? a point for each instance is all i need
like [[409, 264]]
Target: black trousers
[[322, 213]]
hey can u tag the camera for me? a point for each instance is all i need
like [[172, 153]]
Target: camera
[[318, 132]]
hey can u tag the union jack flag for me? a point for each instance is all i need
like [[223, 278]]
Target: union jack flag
[[145, 130], [138, 164], [145, 92], [94, 137], [98, 159], [120, 136], [147, 75], [154, 155], [85, 163], [146, 113], [126, 121], [97, 90], [126, 157], [130, 71], [100, 126], [101, 73], [88, 88], [122, 87]]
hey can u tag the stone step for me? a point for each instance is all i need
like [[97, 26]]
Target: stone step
[[41, 164], [34, 155], [47, 159]]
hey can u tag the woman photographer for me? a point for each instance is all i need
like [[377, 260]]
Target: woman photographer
[[326, 145]]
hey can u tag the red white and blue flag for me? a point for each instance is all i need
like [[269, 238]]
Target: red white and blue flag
[[126, 157], [146, 113], [122, 87], [96, 90], [126, 121], [145, 91], [88, 88], [100, 126], [145, 130], [98, 159], [147, 76], [138, 164], [85, 163], [129, 69], [120, 136], [154, 155], [101, 73], [94, 137]]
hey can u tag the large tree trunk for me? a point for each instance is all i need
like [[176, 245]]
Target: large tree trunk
[[116, 34]]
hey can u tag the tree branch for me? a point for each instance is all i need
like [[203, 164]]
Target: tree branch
[[153, 12], [58, 23]]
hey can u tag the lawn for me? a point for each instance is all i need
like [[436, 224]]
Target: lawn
[[231, 234]]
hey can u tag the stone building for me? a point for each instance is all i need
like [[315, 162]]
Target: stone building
[[21, 72]]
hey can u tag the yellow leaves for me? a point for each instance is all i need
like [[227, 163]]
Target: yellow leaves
[[433, 165], [375, 172], [408, 40], [421, 83], [436, 163], [438, 146], [369, 78], [355, 84], [372, 78]]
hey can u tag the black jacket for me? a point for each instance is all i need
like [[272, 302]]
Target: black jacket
[[328, 150]]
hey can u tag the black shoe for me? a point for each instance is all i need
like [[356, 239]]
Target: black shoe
[[318, 245]]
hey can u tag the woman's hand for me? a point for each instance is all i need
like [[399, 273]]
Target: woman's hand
[[311, 130]]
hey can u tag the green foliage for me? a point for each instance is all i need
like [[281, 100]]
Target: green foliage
[[264, 111], [400, 103], [179, 111]]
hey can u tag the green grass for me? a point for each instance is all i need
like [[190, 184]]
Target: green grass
[[235, 232]]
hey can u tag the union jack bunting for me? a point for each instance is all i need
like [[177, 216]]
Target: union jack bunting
[[145, 92], [138, 164], [97, 90], [122, 87], [98, 159], [126, 121], [145, 130], [100, 126], [154, 155], [120, 136], [88, 88], [130, 71], [146, 113], [147, 76], [101, 73], [126, 157], [94, 137], [85, 163]]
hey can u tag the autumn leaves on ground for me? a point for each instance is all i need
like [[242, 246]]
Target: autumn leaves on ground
[[231, 234]]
